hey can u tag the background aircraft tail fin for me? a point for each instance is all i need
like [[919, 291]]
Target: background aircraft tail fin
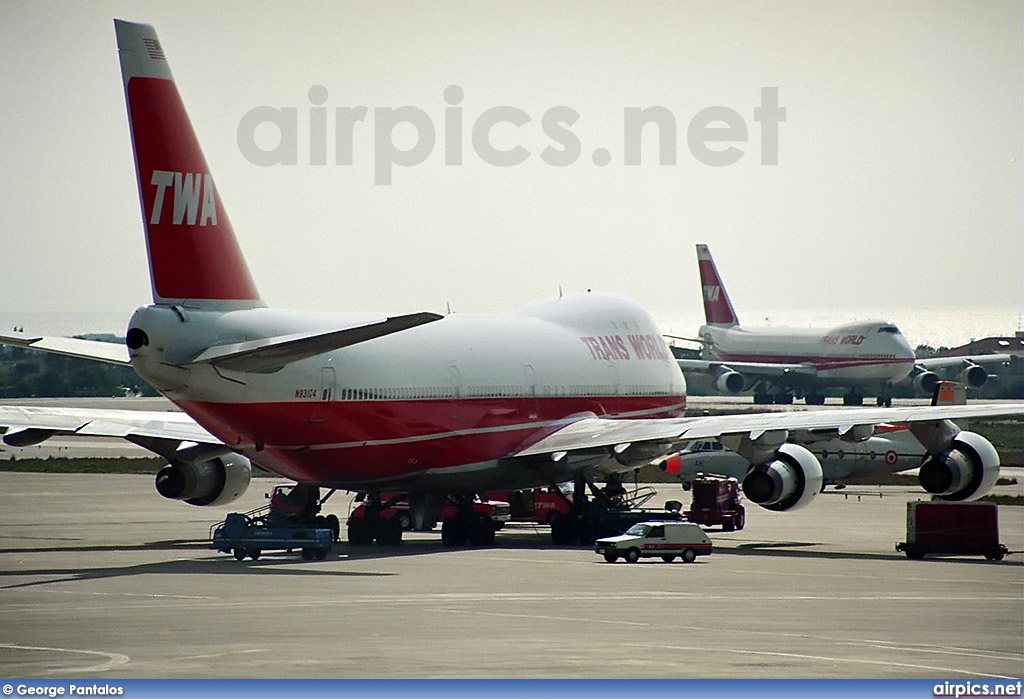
[[718, 308], [194, 258]]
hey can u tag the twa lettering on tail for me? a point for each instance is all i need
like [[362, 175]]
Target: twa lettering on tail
[[189, 190], [718, 308]]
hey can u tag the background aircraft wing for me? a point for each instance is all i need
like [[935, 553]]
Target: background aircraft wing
[[166, 433], [113, 353], [985, 360], [751, 369], [805, 426], [972, 371]]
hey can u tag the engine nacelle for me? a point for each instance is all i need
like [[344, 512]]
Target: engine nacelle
[[925, 382], [787, 481], [973, 376], [212, 482], [730, 382], [965, 471], [640, 454]]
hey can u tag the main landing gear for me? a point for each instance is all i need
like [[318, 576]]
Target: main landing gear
[[467, 528], [371, 527]]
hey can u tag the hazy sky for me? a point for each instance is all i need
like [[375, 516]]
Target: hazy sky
[[898, 183]]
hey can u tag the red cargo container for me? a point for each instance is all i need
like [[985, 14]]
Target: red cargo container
[[952, 528]]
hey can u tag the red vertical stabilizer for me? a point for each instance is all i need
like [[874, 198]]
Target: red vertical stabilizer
[[194, 257]]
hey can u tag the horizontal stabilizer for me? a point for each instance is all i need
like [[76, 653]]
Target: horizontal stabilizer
[[71, 347], [271, 354]]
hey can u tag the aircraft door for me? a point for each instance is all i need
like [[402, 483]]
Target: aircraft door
[[325, 399], [530, 391]]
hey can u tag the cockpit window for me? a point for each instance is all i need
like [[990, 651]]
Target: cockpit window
[[889, 329]]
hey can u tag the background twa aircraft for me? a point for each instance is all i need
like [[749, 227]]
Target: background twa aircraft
[[580, 387], [778, 364]]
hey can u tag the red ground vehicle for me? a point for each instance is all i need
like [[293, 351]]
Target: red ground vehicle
[[540, 505], [476, 526], [951, 528], [716, 500]]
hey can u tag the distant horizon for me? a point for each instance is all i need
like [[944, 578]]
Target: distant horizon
[[921, 326]]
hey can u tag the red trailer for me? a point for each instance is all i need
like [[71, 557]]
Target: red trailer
[[952, 528], [540, 505], [716, 500]]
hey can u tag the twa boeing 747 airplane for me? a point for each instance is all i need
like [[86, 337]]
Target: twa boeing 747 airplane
[[575, 388], [778, 364]]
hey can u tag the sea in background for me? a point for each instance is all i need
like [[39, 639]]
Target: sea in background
[[935, 327]]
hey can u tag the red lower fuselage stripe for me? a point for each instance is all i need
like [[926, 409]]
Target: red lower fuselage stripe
[[369, 440], [818, 362]]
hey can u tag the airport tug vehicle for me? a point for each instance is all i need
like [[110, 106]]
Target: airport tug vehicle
[[291, 521], [656, 538]]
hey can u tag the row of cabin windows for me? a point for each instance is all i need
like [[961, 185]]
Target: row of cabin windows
[[510, 391]]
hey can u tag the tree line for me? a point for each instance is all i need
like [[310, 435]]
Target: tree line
[[26, 373]]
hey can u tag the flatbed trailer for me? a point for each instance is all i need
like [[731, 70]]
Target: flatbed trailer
[[249, 536], [291, 521], [952, 528]]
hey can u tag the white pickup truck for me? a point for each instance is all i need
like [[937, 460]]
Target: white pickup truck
[[665, 539]]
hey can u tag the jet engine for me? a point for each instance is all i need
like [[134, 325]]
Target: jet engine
[[212, 482], [973, 376], [788, 480], [965, 471], [730, 382], [925, 382]]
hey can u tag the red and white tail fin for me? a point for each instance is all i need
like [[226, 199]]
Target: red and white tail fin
[[194, 258], [718, 308]]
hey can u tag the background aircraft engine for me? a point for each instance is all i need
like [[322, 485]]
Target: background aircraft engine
[[787, 481], [213, 482], [925, 382], [973, 376], [965, 471], [730, 382]]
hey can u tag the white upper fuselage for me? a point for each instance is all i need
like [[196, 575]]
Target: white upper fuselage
[[452, 395], [871, 352]]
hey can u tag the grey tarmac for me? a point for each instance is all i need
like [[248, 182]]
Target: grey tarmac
[[101, 578]]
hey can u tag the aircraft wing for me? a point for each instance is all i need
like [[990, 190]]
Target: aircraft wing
[[810, 426], [986, 360], [973, 371], [168, 434], [70, 346], [268, 355], [766, 369]]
